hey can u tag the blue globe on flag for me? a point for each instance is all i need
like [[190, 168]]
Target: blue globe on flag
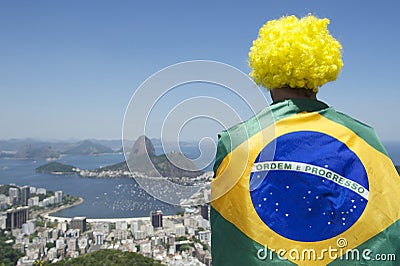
[[315, 188]]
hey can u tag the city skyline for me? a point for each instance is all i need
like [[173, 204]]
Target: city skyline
[[40, 236], [69, 69]]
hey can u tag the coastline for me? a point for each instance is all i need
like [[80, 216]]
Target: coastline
[[46, 214], [109, 220]]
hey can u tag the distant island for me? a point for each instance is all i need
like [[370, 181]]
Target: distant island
[[142, 160], [88, 147], [56, 168], [37, 150]]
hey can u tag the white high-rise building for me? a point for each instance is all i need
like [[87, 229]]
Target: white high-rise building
[[205, 236], [138, 235], [13, 196], [104, 227], [146, 226], [41, 191], [60, 243], [58, 196], [32, 190], [28, 228], [25, 195], [134, 226], [3, 220], [121, 234], [34, 201], [3, 201], [121, 225], [62, 226], [51, 200], [179, 230], [83, 244], [72, 244], [190, 222]]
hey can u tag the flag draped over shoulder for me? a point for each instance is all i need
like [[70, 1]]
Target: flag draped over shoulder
[[314, 187]]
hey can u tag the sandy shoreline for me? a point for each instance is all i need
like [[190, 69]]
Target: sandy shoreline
[[47, 215]]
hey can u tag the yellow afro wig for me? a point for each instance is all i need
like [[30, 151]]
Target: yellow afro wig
[[296, 53]]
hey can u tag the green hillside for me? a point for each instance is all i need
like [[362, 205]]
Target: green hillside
[[55, 167], [109, 258], [88, 147]]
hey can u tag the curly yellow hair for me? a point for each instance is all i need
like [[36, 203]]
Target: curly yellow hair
[[296, 53]]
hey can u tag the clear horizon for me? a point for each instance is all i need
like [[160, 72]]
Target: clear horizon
[[75, 140]]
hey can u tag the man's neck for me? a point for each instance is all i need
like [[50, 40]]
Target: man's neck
[[290, 93]]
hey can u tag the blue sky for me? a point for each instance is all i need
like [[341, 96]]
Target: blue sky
[[69, 68]]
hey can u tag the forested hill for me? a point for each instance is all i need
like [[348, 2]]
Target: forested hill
[[109, 257]]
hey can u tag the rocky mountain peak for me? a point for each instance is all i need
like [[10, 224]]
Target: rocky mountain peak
[[143, 146]]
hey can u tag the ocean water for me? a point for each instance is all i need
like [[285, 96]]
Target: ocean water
[[393, 148], [104, 198]]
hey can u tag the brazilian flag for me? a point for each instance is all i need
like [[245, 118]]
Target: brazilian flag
[[311, 186]]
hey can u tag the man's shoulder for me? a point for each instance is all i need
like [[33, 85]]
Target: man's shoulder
[[361, 129], [345, 118]]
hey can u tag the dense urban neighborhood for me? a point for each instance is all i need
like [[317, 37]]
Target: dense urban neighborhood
[[27, 225]]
